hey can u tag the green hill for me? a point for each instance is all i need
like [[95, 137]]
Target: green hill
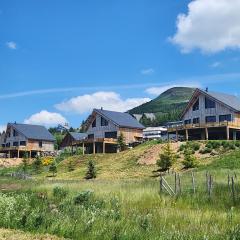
[[167, 106]]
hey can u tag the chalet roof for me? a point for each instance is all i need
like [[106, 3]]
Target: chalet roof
[[120, 119], [228, 100], [35, 132], [78, 136]]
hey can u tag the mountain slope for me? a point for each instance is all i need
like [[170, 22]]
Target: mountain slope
[[167, 106]]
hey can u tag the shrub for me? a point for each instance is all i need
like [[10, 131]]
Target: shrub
[[83, 197], [121, 142], [59, 192], [70, 165], [53, 168], [206, 150], [46, 161], [91, 171], [37, 164], [195, 146], [25, 162], [167, 158], [189, 159]]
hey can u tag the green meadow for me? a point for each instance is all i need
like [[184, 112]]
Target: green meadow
[[124, 201]]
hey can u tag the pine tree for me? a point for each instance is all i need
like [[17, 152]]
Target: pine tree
[[53, 168], [167, 158], [71, 166], [37, 164], [91, 171], [189, 159], [121, 142], [25, 162]]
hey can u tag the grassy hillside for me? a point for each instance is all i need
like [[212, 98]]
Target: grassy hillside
[[167, 107]]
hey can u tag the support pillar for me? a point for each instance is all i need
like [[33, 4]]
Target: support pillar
[[177, 136], [206, 133], [9, 154], [186, 133], [234, 135], [228, 133], [83, 148], [18, 154], [30, 153], [104, 147], [94, 149], [168, 137]]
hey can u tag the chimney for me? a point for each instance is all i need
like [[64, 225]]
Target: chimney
[[206, 89]]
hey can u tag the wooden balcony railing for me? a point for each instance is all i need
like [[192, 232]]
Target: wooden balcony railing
[[205, 125]]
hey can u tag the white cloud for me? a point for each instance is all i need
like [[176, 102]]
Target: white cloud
[[215, 64], [46, 118], [147, 71], [209, 25], [107, 100], [155, 91], [3, 128], [11, 45]]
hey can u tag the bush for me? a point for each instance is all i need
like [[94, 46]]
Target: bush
[[70, 165], [83, 197], [59, 192], [167, 158], [206, 150], [91, 171], [37, 164], [53, 168]]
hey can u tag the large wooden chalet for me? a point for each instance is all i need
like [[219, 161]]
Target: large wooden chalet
[[209, 115], [104, 127], [25, 138]]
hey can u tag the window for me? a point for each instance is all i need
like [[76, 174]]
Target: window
[[90, 136], [195, 120], [3, 145], [111, 135], [15, 144], [104, 122], [196, 105], [94, 123], [188, 121], [23, 143], [227, 118], [209, 103], [15, 133], [40, 144], [210, 119], [8, 144]]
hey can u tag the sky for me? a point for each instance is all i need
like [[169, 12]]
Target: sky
[[61, 59]]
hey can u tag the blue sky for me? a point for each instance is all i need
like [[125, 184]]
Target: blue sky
[[59, 59]]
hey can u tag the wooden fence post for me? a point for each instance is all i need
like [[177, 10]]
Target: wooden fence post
[[233, 190], [179, 184], [161, 183], [175, 180]]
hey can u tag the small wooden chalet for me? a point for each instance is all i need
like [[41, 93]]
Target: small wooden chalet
[[25, 138], [103, 128], [209, 115], [71, 138]]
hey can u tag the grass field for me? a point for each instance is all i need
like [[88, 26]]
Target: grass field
[[124, 201]]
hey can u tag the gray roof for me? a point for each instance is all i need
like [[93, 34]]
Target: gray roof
[[78, 136], [35, 132], [230, 100], [120, 119]]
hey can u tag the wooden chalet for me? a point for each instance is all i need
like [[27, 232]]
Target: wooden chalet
[[71, 138], [209, 115], [103, 128], [25, 138]]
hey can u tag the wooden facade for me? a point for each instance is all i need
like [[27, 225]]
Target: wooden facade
[[103, 132], [15, 144], [208, 117]]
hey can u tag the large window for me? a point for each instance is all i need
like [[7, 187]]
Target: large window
[[104, 122], [15, 144], [210, 119], [94, 123], [195, 120], [15, 133], [196, 105], [209, 103], [23, 143], [111, 135], [90, 136], [227, 118], [40, 144], [188, 121]]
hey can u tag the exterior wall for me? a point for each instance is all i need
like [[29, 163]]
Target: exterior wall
[[131, 135], [99, 131], [46, 146], [30, 144], [202, 112]]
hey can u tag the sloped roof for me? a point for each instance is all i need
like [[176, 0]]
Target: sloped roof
[[120, 119], [228, 100], [78, 136], [35, 132]]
